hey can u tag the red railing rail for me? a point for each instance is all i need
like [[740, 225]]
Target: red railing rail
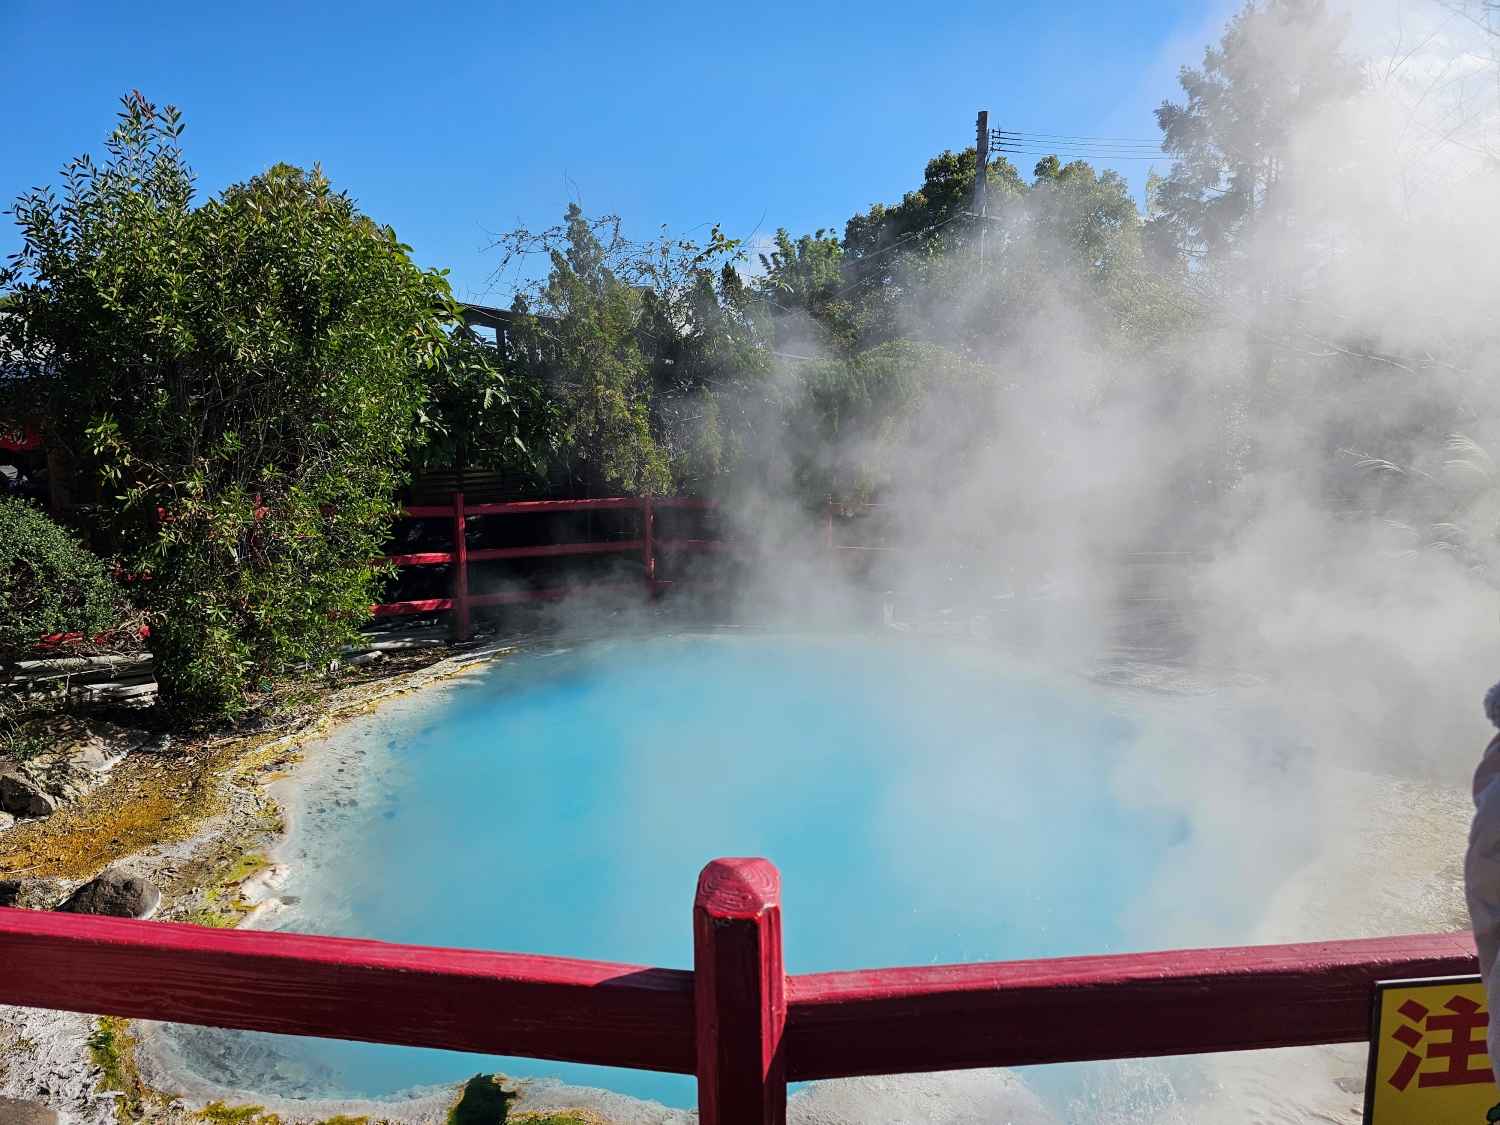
[[737, 1020], [459, 601]]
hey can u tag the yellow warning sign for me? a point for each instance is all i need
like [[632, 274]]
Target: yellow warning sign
[[1428, 1061]]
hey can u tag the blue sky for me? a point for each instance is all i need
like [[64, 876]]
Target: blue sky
[[456, 121]]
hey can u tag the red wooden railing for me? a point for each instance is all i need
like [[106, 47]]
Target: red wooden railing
[[459, 601], [737, 1020]]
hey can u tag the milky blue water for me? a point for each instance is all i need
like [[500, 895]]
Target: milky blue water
[[925, 803]]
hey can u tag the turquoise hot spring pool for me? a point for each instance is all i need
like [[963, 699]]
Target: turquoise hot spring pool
[[925, 802]]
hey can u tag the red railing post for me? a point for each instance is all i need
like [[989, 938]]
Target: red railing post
[[459, 621], [739, 994], [648, 542]]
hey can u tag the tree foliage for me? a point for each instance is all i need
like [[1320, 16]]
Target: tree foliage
[[705, 345], [858, 426], [597, 367], [246, 379], [626, 337], [803, 281], [50, 583], [241, 379], [481, 412], [1278, 63]]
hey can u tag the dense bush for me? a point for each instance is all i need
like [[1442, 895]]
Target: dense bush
[[241, 380], [49, 582]]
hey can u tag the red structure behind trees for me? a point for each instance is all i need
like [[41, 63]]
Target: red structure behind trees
[[459, 602]]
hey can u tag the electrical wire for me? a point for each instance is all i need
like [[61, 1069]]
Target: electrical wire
[[1035, 145], [1016, 142], [1099, 156], [897, 244], [1029, 145], [1109, 142]]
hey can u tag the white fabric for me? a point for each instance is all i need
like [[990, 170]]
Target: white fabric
[[1482, 881]]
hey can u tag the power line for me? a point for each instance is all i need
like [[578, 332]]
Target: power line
[[1030, 146], [1101, 156], [1024, 146], [895, 245], [1018, 142], [1045, 149], [1005, 134]]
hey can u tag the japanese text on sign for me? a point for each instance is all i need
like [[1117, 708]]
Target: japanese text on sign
[[1428, 1060]]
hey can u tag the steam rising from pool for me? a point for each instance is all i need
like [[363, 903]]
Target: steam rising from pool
[[937, 803], [926, 802]]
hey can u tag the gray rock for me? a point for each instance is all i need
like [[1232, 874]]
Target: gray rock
[[24, 796], [154, 744], [94, 756], [37, 894], [6, 821], [13, 1112], [116, 894], [51, 779]]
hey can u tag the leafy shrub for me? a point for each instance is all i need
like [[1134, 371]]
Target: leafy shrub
[[49, 582], [241, 378]]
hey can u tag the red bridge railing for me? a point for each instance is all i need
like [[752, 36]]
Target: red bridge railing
[[459, 601], [737, 1021]]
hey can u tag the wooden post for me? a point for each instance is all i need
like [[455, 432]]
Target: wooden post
[[459, 620], [981, 159], [739, 994], [981, 175], [828, 524], [648, 542]]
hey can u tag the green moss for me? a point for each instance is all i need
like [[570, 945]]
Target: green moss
[[484, 1102], [222, 907], [220, 1114], [113, 1052], [243, 868], [217, 1113], [217, 912]]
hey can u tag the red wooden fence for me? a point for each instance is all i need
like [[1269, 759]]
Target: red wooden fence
[[460, 601], [737, 1020]]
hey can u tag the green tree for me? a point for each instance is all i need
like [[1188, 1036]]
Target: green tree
[[482, 411], [599, 372], [242, 379], [1278, 63], [629, 337], [913, 318], [919, 269], [1090, 223], [706, 345], [936, 216], [847, 294], [904, 260], [896, 412], [803, 282]]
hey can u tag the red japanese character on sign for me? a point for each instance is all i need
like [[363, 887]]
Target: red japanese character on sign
[[1464, 1022]]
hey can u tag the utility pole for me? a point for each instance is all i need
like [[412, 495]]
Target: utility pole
[[981, 174]]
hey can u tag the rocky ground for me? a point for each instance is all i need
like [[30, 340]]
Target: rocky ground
[[115, 819]]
